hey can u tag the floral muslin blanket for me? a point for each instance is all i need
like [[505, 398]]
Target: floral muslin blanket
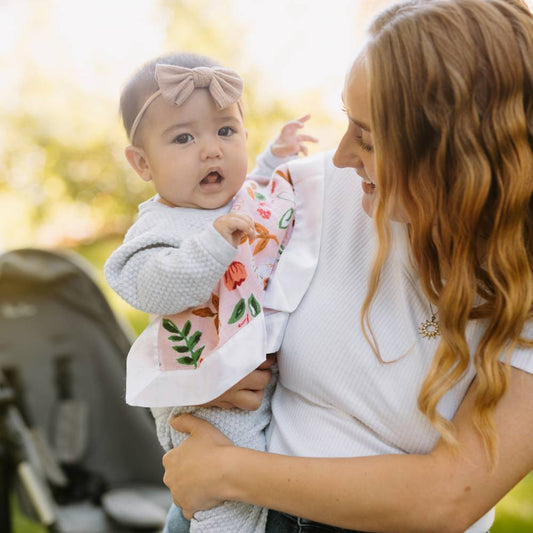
[[192, 357]]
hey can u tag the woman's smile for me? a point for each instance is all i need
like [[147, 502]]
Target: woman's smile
[[368, 186]]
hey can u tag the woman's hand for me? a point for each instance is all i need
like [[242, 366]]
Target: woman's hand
[[247, 394], [194, 470]]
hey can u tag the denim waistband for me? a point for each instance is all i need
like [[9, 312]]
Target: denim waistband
[[284, 523]]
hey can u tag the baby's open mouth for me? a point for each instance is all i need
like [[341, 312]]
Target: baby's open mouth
[[212, 177]]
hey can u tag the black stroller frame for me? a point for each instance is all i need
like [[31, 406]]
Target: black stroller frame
[[14, 464], [67, 438]]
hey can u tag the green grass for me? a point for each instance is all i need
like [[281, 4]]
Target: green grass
[[514, 514], [22, 524]]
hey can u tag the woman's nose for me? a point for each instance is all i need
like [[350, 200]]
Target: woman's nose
[[346, 155]]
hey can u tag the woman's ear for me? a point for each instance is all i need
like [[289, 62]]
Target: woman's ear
[[137, 159]]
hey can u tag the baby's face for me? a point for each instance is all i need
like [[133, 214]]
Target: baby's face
[[196, 153]]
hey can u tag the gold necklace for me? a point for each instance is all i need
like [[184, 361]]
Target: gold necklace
[[430, 328]]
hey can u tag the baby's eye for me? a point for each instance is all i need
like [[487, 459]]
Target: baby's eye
[[226, 131], [183, 138]]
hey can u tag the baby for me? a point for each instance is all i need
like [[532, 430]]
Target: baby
[[201, 254]]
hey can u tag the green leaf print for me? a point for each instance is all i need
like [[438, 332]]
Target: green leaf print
[[181, 349], [285, 219], [170, 326], [189, 342], [238, 311], [194, 338], [196, 355], [254, 305]]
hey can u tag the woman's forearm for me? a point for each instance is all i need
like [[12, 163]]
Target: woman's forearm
[[446, 490], [369, 493]]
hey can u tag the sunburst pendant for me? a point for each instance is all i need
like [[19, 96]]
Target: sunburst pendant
[[430, 328]]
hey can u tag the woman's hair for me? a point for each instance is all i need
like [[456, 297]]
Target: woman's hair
[[451, 95], [143, 83]]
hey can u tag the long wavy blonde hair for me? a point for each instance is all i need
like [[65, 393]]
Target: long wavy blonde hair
[[451, 84]]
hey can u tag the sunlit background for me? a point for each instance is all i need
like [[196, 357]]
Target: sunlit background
[[63, 65], [64, 182]]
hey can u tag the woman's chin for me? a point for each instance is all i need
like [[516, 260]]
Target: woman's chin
[[368, 204]]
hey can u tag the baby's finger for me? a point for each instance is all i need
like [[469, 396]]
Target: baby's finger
[[245, 223], [307, 138], [250, 231], [303, 119]]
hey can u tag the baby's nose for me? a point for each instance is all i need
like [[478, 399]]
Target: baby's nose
[[211, 150]]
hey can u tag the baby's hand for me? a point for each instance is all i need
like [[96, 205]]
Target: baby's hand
[[290, 142], [233, 225]]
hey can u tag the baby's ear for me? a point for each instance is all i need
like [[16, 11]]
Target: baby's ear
[[137, 159]]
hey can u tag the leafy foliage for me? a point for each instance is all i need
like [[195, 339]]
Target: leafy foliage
[[65, 178]]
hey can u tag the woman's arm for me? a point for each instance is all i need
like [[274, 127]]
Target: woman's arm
[[442, 491]]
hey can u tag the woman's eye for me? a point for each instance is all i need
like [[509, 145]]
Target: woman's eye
[[366, 147], [226, 131], [184, 138]]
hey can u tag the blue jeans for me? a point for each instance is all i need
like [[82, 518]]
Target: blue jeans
[[276, 523], [176, 522], [284, 523]]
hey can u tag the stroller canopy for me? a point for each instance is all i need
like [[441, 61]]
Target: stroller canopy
[[52, 311]]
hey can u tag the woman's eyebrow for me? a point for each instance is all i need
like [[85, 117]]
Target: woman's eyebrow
[[362, 125]]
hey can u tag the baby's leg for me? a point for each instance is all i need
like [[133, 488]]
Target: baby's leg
[[244, 428]]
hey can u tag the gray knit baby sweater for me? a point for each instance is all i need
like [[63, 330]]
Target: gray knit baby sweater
[[170, 261]]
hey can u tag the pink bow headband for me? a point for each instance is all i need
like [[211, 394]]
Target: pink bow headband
[[176, 84]]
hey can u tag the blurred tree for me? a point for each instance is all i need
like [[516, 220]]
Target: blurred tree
[[214, 29], [65, 178], [84, 187]]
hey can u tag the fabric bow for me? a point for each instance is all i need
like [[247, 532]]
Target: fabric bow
[[177, 83]]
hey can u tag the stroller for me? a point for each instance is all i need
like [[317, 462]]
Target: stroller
[[77, 457]]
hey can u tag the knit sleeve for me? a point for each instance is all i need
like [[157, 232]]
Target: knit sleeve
[[156, 271], [267, 162]]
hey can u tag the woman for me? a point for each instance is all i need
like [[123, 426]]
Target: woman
[[419, 418]]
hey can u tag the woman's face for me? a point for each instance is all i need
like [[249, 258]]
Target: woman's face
[[356, 148]]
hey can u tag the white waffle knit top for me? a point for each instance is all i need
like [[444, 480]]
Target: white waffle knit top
[[334, 398]]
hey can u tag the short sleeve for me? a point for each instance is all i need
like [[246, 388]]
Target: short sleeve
[[522, 357]]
